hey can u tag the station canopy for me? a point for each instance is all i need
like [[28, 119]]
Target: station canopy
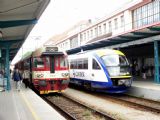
[[145, 34], [17, 18]]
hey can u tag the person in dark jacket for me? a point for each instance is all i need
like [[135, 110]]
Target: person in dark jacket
[[17, 78]]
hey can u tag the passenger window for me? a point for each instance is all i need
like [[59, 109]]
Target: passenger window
[[71, 65], [38, 63], [85, 64], [63, 62], [80, 64], [74, 64], [95, 65]]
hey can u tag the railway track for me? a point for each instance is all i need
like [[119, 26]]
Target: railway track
[[127, 100], [141, 103], [75, 110]]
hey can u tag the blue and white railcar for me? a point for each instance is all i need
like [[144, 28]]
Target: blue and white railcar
[[106, 70]]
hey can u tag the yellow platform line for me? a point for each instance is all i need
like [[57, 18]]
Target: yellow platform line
[[29, 106]]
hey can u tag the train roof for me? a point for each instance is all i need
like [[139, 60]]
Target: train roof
[[108, 52], [100, 52], [47, 50], [52, 53]]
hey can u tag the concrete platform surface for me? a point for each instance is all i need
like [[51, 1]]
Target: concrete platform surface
[[25, 105], [145, 89]]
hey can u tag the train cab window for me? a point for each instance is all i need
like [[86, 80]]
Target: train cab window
[[38, 63], [115, 60], [123, 61], [56, 62], [47, 62], [95, 65], [63, 62]]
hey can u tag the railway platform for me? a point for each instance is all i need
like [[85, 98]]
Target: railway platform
[[145, 89], [25, 105]]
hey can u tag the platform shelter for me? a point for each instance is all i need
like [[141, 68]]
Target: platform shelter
[[17, 19]]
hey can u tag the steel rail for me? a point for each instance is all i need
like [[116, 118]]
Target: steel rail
[[59, 109], [72, 117], [107, 116]]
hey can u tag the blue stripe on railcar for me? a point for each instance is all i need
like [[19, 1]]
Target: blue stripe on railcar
[[94, 84], [104, 69], [117, 89], [100, 86]]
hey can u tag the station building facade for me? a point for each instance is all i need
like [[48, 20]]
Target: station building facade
[[134, 29]]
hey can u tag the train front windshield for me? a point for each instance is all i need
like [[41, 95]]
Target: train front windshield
[[117, 65]]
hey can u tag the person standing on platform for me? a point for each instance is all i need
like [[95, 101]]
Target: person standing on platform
[[2, 80], [144, 72], [17, 78]]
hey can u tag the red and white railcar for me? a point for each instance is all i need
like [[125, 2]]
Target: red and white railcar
[[46, 69]]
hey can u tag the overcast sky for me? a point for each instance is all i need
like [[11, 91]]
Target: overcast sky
[[63, 14]]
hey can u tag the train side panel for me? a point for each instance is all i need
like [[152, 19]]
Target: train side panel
[[47, 79], [99, 75], [104, 72], [45, 69], [92, 76]]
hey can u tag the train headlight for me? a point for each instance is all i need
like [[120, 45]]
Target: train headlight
[[65, 81], [40, 75], [42, 83], [128, 82], [121, 82], [65, 74]]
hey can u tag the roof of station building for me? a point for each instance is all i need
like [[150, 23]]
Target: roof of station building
[[145, 34]]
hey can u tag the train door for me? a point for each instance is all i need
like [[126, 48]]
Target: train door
[[72, 67], [53, 65], [94, 75], [97, 74], [95, 70]]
